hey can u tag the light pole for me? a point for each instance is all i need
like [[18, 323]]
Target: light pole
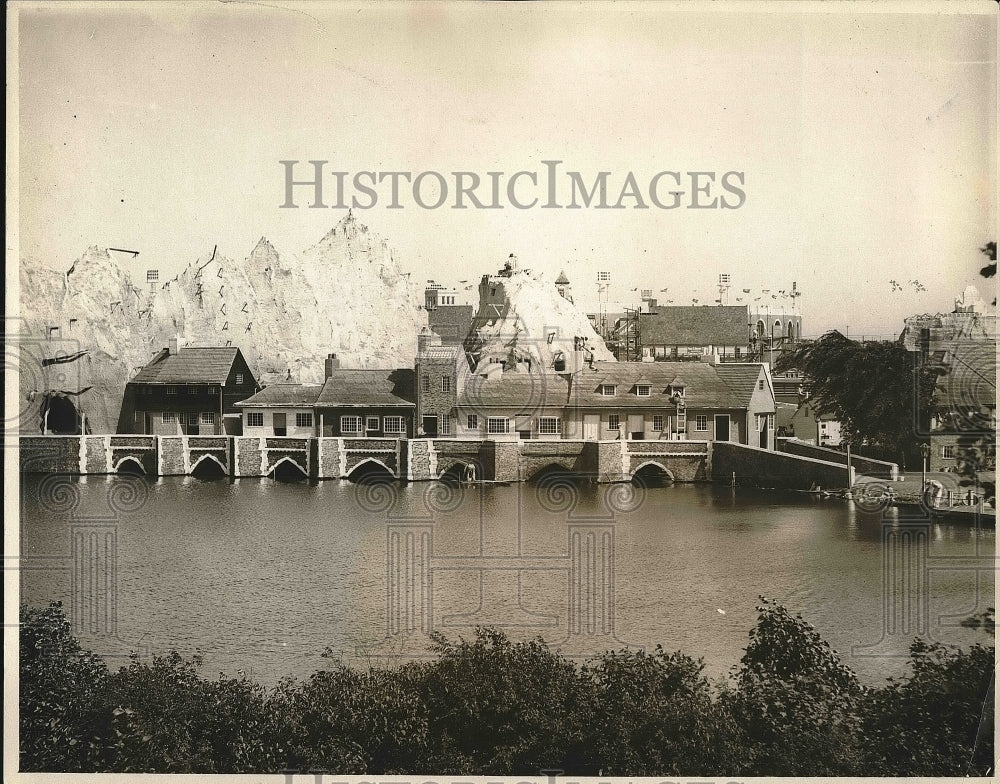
[[925, 451]]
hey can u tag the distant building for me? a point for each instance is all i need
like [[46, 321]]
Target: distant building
[[436, 380], [962, 346], [188, 390], [563, 286], [449, 313], [689, 332]]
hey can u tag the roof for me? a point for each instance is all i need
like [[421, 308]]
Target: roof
[[283, 396], [562, 280], [371, 388], [190, 365], [971, 381], [512, 389], [690, 325], [741, 378], [704, 386]]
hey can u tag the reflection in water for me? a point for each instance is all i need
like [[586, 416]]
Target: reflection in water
[[262, 575]]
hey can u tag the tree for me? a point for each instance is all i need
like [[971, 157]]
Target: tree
[[990, 249], [874, 388]]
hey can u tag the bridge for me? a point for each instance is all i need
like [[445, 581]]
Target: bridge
[[357, 458]]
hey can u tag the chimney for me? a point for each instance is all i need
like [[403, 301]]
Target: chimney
[[332, 363], [173, 346]]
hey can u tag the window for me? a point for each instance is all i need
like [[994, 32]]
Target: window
[[472, 422], [192, 390], [213, 390], [657, 422], [701, 422], [208, 417], [642, 390], [171, 390], [760, 384], [168, 417], [371, 423], [152, 276], [445, 384], [255, 419], [607, 390], [614, 421], [948, 452], [304, 419], [675, 390], [497, 425], [193, 419], [392, 424], [549, 426], [425, 384], [350, 424], [239, 378], [445, 424]]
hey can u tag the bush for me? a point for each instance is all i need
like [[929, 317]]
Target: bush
[[492, 706]]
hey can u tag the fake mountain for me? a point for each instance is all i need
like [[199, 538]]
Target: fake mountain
[[345, 295], [522, 316]]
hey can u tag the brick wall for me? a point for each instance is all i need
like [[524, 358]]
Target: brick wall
[[435, 401]]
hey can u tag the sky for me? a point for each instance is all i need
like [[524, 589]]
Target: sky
[[866, 140]]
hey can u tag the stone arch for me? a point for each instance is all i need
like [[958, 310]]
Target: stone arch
[[371, 468], [461, 471], [551, 471], [790, 330], [287, 470], [130, 465], [651, 472], [207, 460], [760, 328]]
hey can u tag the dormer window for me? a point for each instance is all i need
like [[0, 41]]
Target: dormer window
[[642, 390], [608, 390], [673, 390]]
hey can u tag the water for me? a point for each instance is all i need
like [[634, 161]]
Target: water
[[262, 576]]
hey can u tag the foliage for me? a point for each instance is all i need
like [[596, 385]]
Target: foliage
[[874, 388], [493, 706]]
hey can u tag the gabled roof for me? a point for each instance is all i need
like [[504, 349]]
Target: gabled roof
[[372, 388], [562, 280], [519, 391], [190, 365], [691, 325], [284, 395], [703, 386], [741, 378]]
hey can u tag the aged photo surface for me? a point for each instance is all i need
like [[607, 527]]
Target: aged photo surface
[[529, 392]]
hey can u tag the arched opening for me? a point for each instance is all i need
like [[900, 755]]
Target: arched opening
[[461, 473], [208, 467], [790, 330], [60, 416], [130, 465], [371, 471], [287, 470], [553, 473], [652, 475], [760, 329]]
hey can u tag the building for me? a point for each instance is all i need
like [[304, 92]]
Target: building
[[349, 404], [563, 286], [962, 346], [437, 377], [281, 410], [188, 390], [619, 400], [690, 332]]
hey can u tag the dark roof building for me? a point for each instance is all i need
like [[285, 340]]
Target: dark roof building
[[368, 388], [691, 325], [189, 390]]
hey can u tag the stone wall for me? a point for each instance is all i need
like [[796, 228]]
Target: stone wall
[[50, 454], [862, 465], [763, 468]]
